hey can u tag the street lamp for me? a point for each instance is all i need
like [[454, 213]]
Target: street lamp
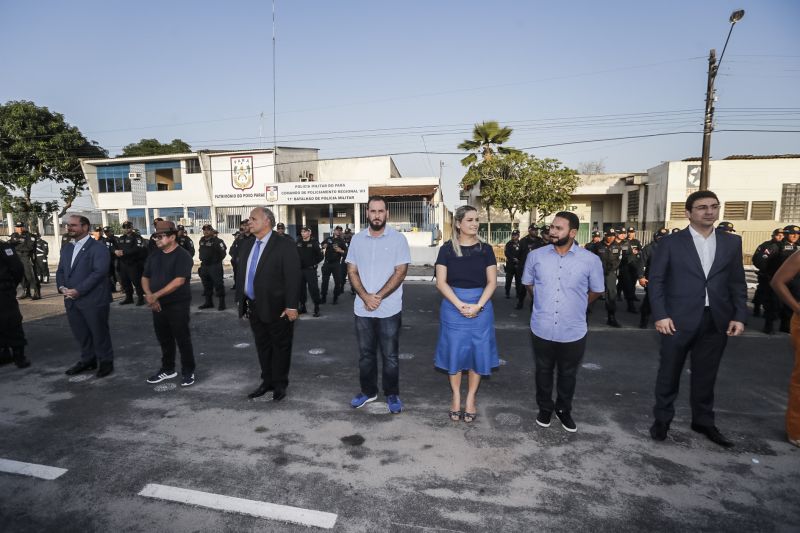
[[708, 123]]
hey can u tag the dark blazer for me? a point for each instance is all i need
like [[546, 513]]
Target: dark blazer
[[277, 281], [88, 275], [677, 284]]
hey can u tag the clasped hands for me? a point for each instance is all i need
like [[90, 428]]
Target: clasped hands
[[152, 302], [469, 310], [665, 326]]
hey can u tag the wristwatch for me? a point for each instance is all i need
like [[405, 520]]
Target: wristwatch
[[481, 309]]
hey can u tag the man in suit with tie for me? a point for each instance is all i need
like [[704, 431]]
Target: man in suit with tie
[[698, 296], [270, 269], [82, 277]]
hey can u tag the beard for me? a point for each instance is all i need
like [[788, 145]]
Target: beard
[[377, 225], [559, 242]]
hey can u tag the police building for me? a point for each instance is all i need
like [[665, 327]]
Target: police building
[[221, 188]]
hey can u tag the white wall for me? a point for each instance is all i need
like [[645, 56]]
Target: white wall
[[375, 170], [223, 191]]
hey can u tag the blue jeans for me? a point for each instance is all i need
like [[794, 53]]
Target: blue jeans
[[373, 332]]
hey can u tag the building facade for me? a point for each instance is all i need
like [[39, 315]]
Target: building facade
[[221, 188]]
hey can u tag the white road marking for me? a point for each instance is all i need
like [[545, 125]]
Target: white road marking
[[30, 469], [284, 513]]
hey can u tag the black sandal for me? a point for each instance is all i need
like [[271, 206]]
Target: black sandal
[[455, 416], [470, 417]]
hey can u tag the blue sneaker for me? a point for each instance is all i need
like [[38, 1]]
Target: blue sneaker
[[361, 400], [395, 403]]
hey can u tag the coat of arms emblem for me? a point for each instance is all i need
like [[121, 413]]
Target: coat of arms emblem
[[242, 172]]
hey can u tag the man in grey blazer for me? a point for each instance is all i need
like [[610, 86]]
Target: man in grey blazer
[[698, 295], [82, 277]]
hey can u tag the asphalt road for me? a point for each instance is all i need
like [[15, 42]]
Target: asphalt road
[[415, 471]]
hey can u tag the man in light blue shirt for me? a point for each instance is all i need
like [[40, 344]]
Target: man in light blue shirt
[[566, 279], [377, 263]]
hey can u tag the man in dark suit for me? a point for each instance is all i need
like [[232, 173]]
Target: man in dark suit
[[82, 277], [698, 295], [269, 271]]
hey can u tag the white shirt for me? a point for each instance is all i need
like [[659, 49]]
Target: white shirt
[[706, 248], [78, 246], [253, 257]]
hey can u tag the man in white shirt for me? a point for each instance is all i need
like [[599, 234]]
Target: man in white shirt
[[698, 294]]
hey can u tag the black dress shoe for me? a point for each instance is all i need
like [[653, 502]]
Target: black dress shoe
[[80, 366], [106, 368], [260, 391], [713, 435], [659, 430], [278, 395]]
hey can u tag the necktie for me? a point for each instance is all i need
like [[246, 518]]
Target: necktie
[[251, 272]]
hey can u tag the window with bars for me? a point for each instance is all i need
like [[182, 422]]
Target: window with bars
[[790, 202], [677, 210], [192, 166], [762, 210], [633, 206], [735, 210]]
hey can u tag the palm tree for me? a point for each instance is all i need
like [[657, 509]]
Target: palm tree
[[486, 140]]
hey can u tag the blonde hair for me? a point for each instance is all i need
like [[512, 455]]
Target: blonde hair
[[458, 216]]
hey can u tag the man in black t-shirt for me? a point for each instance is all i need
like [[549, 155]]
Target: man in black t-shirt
[[166, 288]]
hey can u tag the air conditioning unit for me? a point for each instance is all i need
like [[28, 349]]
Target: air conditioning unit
[[134, 176]]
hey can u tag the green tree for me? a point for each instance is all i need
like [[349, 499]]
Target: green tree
[[154, 147], [37, 146], [519, 182], [487, 138]]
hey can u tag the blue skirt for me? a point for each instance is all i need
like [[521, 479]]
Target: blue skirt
[[466, 343]]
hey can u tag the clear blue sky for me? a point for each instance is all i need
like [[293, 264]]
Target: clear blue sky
[[411, 76]]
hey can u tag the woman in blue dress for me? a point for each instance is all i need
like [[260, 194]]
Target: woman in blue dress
[[466, 276]]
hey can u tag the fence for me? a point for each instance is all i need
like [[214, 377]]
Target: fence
[[406, 216]]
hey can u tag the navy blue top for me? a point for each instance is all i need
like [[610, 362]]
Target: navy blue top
[[469, 270]]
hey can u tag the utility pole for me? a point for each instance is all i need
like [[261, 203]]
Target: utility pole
[[708, 121]]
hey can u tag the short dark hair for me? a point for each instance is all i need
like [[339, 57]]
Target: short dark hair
[[699, 195], [572, 218], [378, 198], [83, 220]]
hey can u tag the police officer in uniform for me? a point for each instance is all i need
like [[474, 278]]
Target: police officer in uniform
[[347, 236], [726, 227], [280, 229], [151, 244], [238, 239], [610, 252], [597, 236], [310, 255], [212, 252], [629, 267], [645, 258], [12, 337], [98, 235], [131, 254], [25, 247], [513, 268], [42, 250], [761, 258], [335, 250], [184, 241], [527, 244], [774, 309], [112, 242]]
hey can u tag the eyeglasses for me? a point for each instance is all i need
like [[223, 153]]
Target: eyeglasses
[[704, 208], [159, 236]]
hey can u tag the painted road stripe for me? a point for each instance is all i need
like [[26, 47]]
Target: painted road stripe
[[272, 511], [30, 469]]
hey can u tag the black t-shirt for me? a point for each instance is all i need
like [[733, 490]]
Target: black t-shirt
[[161, 268], [469, 270]]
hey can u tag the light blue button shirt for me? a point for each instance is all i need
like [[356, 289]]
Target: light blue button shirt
[[561, 287], [250, 258], [78, 246], [375, 258]]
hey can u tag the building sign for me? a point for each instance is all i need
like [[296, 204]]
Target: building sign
[[272, 194], [242, 172], [240, 180], [316, 192], [692, 178]]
